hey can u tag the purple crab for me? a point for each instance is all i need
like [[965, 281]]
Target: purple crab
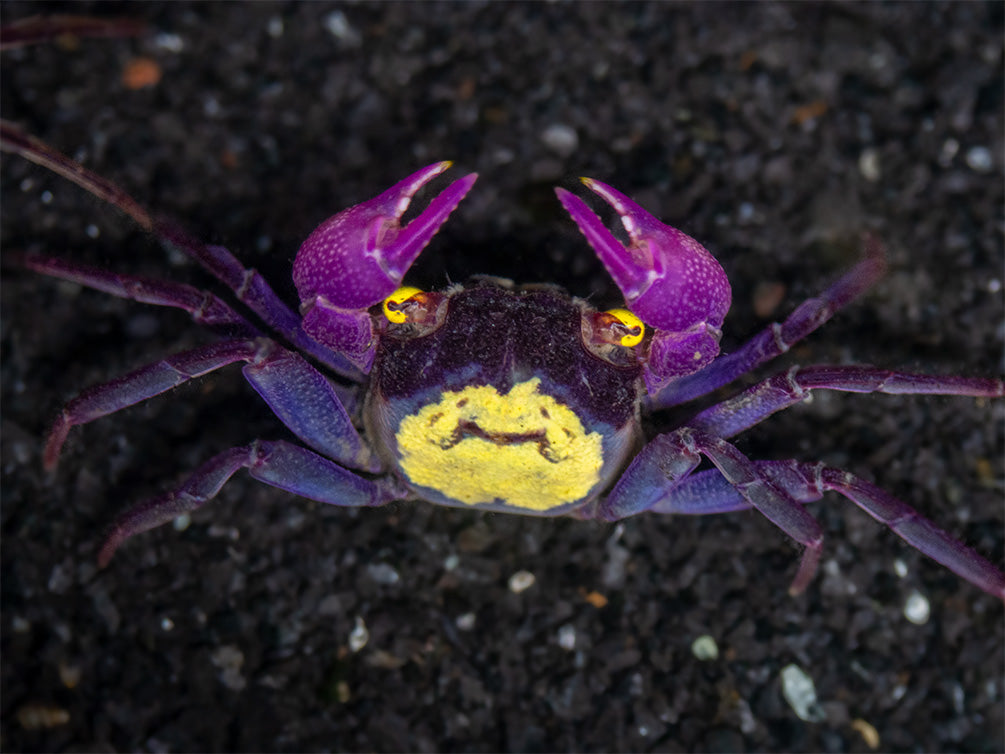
[[495, 396]]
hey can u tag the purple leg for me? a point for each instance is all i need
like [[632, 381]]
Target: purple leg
[[250, 288], [205, 308], [709, 492], [280, 464], [668, 459], [302, 398], [778, 338], [783, 390], [36, 29]]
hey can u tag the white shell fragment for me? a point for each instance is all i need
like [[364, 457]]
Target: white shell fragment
[[801, 694]]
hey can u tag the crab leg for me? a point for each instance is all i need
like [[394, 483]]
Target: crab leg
[[777, 338], [669, 458], [783, 390], [250, 288], [303, 399], [709, 492], [34, 29], [206, 309], [279, 463]]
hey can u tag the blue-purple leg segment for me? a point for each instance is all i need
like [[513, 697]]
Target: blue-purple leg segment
[[250, 288], [783, 390], [777, 338], [668, 459], [303, 399], [279, 464], [205, 308], [709, 492]]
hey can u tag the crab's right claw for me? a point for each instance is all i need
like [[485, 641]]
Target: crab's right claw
[[669, 280], [358, 257]]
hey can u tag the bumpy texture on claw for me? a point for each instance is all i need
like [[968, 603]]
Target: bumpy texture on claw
[[669, 280], [358, 257]]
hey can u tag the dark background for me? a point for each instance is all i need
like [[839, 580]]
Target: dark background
[[744, 125]]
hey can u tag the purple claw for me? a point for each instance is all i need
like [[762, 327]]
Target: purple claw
[[669, 280], [358, 257]]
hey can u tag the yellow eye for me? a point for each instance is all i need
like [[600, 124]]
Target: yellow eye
[[636, 330], [392, 304]]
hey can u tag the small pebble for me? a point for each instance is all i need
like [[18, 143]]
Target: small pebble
[[869, 734], [69, 675], [868, 165], [561, 139], [465, 622], [567, 637], [916, 608], [359, 635], [979, 159], [704, 648], [801, 694], [521, 581], [39, 716]]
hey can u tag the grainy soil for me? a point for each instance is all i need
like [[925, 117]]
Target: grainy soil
[[775, 134]]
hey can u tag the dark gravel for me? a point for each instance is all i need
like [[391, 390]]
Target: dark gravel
[[773, 133]]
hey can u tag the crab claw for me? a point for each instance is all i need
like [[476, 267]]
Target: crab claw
[[358, 257], [669, 280]]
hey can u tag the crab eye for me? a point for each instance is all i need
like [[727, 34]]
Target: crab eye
[[628, 327], [394, 306]]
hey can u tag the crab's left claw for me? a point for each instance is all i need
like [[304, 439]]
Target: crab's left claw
[[669, 280], [358, 257]]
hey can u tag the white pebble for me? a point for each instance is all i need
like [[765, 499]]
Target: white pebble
[[801, 694], [359, 636], [916, 608], [465, 622], [521, 581], [979, 159], [567, 637], [868, 165], [561, 139], [705, 648]]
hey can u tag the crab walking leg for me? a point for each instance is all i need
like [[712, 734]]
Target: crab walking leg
[[279, 464], [783, 390], [303, 399], [35, 29], [668, 459], [206, 309], [709, 492], [777, 338], [250, 288]]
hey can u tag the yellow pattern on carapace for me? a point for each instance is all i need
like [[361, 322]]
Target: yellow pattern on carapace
[[523, 449]]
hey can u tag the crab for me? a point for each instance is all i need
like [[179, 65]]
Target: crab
[[494, 396]]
